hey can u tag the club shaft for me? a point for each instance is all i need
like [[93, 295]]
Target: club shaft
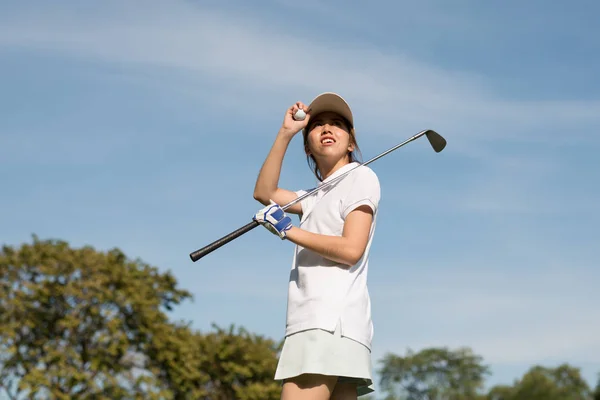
[[302, 197], [198, 254]]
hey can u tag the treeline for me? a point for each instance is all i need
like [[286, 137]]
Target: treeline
[[77, 323], [444, 374]]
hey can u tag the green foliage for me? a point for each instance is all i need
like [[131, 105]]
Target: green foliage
[[79, 323], [441, 374], [241, 365], [71, 318], [541, 383], [501, 392], [432, 374]]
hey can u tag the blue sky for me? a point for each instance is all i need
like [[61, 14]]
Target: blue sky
[[143, 126]]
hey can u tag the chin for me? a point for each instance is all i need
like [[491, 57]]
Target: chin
[[331, 156]]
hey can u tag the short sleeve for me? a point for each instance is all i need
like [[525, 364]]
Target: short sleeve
[[365, 190]]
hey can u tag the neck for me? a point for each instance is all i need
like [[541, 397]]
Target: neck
[[329, 168]]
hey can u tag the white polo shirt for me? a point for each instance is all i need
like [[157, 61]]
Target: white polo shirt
[[322, 292]]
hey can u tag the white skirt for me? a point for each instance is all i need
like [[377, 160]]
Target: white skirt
[[317, 351]]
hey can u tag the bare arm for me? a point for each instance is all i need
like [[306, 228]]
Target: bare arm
[[267, 184], [346, 249]]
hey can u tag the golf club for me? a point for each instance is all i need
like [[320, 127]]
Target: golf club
[[436, 140]]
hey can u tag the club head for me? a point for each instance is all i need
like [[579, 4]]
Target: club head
[[436, 140]]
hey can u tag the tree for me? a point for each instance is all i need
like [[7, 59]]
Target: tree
[[240, 365], [79, 323], [73, 320], [224, 364], [596, 394], [501, 392], [433, 374], [541, 383]]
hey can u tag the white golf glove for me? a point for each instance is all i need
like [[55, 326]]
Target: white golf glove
[[274, 219]]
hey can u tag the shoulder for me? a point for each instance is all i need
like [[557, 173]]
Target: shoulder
[[362, 188], [362, 185], [366, 177], [366, 173]]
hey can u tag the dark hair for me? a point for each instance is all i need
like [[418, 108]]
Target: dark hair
[[352, 155]]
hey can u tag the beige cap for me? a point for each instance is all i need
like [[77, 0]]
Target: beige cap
[[332, 102]]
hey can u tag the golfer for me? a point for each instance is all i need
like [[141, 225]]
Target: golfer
[[327, 348]]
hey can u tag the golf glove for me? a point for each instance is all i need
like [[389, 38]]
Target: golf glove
[[274, 219]]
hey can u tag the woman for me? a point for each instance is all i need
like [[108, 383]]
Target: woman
[[327, 348]]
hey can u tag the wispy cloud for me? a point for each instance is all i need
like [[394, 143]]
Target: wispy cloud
[[257, 65], [242, 53], [511, 317]]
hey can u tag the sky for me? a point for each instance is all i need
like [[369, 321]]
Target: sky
[[143, 125]]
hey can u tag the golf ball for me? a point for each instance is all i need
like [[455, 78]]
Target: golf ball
[[300, 115]]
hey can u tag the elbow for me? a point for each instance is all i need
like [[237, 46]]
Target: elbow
[[354, 256], [353, 261], [261, 197]]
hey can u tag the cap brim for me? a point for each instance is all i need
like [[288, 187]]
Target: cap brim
[[331, 102]]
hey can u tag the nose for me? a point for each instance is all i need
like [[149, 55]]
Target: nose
[[326, 128]]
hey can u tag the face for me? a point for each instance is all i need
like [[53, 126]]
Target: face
[[328, 137]]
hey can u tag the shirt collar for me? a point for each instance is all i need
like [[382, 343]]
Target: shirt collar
[[339, 172]]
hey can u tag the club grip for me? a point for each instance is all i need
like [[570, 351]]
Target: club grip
[[198, 254]]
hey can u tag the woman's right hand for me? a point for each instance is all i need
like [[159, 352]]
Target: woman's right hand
[[290, 126]]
